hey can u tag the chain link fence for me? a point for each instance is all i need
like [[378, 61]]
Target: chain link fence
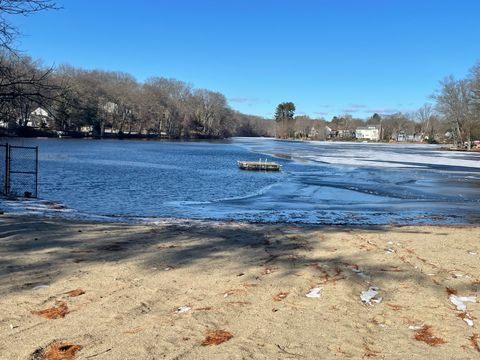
[[19, 171]]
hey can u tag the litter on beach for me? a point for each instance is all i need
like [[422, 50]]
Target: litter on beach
[[314, 293], [370, 296], [459, 301], [465, 316], [183, 309]]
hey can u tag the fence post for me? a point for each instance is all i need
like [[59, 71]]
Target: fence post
[[6, 189], [36, 171]]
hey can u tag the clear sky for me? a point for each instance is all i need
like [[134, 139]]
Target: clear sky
[[329, 57]]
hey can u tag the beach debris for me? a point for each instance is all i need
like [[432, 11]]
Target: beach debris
[[472, 252], [415, 327], [38, 287], [389, 251], [241, 303], [370, 296], [183, 309], [269, 270], [216, 337], [459, 301], [55, 312], [282, 349], [56, 351], [360, 273], [315, 292], [75, 292], [425, 334], [280, 296], [241, 274], [474, 341], [206, 308], [465, 316], [395, 307]]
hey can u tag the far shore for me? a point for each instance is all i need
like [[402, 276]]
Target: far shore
[[213, 290]]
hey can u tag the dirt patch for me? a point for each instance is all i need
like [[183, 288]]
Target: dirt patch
[[425, 334], [75, 293], [55, 312], [216, 337], [56, 351]]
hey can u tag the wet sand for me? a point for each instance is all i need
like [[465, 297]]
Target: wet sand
[[156, 291]]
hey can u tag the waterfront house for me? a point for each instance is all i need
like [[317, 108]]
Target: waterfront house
[[39, 118], [370, 132]]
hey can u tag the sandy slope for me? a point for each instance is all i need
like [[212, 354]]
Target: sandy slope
[[135, 277]]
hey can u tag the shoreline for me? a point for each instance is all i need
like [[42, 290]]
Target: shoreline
[[158, 289]]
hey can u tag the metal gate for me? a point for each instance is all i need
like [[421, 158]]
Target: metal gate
[[19, 171]]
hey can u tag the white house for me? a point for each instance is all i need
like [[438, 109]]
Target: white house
[[371, 132], [38, 118]]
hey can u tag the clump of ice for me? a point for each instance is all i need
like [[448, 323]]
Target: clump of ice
[[370, 296], [314, 293], [459, 301]]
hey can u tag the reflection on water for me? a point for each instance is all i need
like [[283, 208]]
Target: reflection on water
[[329, 183]]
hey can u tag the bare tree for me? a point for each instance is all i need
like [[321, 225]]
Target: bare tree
[[8, 32], [454, 102]]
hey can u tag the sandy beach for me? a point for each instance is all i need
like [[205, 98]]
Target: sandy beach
[[176, 291]]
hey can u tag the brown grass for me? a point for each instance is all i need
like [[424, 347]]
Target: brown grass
[[216, 337], [57, 351], [55, 312], [75, 292], [280, 296], [474, 341], [450, 291], [425, 334], [395, 307], [231, 292]]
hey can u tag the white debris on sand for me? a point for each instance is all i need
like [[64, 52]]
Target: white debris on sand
[[314, 293], [370, 296], [459, 301], [416, 327], [183, 309]]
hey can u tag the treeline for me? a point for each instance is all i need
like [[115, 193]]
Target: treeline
[[452, 117], [116, 103]]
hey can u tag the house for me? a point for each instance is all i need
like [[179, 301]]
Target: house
[[371, 132], [39, 118], [333, 133], [87, 130], [110, 107]]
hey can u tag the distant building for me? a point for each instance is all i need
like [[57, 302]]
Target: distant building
[[86, 129], [334, 133], [110, 107], [371, 132], [39, 118]]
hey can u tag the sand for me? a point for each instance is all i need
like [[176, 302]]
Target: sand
[[176, 291]]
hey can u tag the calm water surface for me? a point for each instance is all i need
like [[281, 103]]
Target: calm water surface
[[328, 183]]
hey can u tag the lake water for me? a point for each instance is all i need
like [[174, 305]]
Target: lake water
[[326, 183]]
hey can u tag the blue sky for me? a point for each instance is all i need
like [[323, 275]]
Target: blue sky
[[329, 57]]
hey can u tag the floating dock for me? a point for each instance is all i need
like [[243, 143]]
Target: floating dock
[[259, 165]]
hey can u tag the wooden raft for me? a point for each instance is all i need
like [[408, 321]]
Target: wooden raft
[[259, 165]]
